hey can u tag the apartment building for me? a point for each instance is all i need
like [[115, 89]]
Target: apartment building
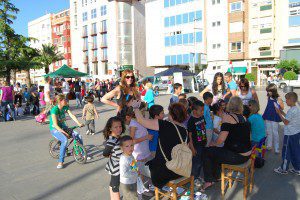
[[61, 37], [108, 36], [175, 34], [217, 37], [41, 30]]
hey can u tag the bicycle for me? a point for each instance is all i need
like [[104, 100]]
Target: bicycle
[[78, 151]]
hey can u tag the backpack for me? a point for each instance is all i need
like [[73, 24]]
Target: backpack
[[181, 157]]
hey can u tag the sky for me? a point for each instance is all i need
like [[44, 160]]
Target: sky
[[32, 9]]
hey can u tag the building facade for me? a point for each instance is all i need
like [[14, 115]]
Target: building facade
[[175, 33], [108, 36], [61, 37]]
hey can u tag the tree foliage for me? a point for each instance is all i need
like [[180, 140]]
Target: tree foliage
[[250, 77], [290, 75], [289, 65]]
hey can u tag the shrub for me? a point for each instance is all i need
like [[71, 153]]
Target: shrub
[[289, 75], [250, 77]]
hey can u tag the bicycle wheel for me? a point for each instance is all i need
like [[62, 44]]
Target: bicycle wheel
[[54, 148], [79, 153]]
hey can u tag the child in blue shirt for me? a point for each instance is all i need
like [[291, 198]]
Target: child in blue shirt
[[155, 112], [177, 92], [257, 123], [26, 95], [209, 125]]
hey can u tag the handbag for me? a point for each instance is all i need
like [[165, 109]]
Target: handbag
[[181, 157]]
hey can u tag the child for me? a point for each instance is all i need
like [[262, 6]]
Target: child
[[218, 113], [20, 111], [149, 96], [42, 98], [112, 131], [155, 112], [186, 105], [35, 102], [291, 145], [26, 95], [27, 109], [126, 114], [140, 138], [271, 117], [177, 92], [89, 113], [128, 169], [246, 111], [197, 136], [191, 100], [208, 98], [257, 123]]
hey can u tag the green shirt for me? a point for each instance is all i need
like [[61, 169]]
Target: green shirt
[[61, 116]]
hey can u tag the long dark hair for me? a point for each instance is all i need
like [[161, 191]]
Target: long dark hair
[[215, 84], [107, 128], [272, 91]]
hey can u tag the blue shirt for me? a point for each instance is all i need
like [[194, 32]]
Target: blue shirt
[[149, 97], [257, 127], [208, 120], [174, 99], [153, 143], [232, 85], [26, 95]]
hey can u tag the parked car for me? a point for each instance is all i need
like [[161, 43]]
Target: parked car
[[161, 85], [295, 83]]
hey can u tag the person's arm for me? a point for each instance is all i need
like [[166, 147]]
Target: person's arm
[[132, 131], [194, 152], [96, 113], [280, 103], [1, 95], [74, 118], [13, 95], [107, 150], [282, 116], [255, 97], [55, 125], [206, 89], [83, 112], [223, 134], [106, 98]]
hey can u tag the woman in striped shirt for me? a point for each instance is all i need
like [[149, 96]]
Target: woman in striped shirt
[[112, 132]]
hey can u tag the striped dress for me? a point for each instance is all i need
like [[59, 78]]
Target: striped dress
[[112, 165]]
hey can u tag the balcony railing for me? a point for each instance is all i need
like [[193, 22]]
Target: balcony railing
[[103, 45], [103, 29], [84, 34], [95, 59], [84, 48], [103, 58], [85, 59], [93, 32], [94, 46]]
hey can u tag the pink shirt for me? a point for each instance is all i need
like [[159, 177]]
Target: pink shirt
[[42, 99], [7, 93]]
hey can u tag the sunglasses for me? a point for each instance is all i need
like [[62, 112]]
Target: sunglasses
[[242, 86], [128, 77]]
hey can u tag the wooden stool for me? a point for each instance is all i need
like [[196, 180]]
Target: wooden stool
[[244, 169], [181, 182]]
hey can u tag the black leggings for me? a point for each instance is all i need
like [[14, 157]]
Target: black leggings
[[213, 157], [115, 183]]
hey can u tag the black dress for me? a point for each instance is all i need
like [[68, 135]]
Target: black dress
[[168, 137]]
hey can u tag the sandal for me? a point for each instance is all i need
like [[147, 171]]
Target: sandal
[[206, 186]]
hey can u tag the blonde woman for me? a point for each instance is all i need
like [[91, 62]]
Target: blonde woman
[[58, 126], [149, 96]]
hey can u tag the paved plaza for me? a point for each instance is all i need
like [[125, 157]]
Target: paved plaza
[[28, 172]]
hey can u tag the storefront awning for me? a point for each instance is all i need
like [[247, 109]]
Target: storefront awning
[[125, 67], [238, 70]]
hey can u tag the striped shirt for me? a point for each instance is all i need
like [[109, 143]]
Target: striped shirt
[[112, 165]]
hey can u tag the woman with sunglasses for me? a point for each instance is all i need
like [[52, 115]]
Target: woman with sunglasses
[[127, 90], [246, 93]]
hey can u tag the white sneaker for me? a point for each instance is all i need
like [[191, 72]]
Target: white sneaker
[[92, 133], [60, 166], [293, 171], [279, 170], [88, 132], [88, 158], [197, 183]]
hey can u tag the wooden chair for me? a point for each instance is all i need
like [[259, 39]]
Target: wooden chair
[[244, 169], [185, 183]]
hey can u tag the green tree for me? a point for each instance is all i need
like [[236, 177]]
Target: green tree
[[48, 55], [250, 77], [289, 65]]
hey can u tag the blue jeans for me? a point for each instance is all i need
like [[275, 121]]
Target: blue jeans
[[197, 162], [63, 142], [4, 110], [78, 99], [291, 152]]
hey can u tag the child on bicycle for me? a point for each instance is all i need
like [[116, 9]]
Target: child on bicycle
[[89, 113], [112, 132], [58, 126]]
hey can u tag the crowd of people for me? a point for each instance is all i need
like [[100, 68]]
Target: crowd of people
[[223, 128]]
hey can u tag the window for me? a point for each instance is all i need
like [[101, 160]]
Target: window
[[218, 23], [103, 24], [103, 10], [235, 47], [218, 46], [294, 20], [191, 38], [191, 16], [214, 24], [94, 41], [214, 46], [167, 41], [173, 40], [199, 15], [218, 67], [166, 3], [179, 59], [94, 28], [185, 58], [265, 30], [178, 19], [199, 37], [179, 39], [185, 38], [185, 18], [178, 2], [93, 13], [213, 2], [167, 60], [172, 21], [236, 6], [167, 21], [214, 67], [173, 60], [84, 16]]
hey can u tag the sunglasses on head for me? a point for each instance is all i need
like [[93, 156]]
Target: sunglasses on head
[[128, 77]]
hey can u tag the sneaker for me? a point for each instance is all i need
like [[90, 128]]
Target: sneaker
[[92, 133], [60, 166], [197, 183], [279, 170], [88, 158], [87, 132], [293, 171]]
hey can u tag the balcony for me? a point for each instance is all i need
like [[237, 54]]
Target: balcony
[[103, 58], [95, 59], [103, 30], [93, 32], [84, 48], [94, 47], [103, 45], [85, 59], [84, 34]]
